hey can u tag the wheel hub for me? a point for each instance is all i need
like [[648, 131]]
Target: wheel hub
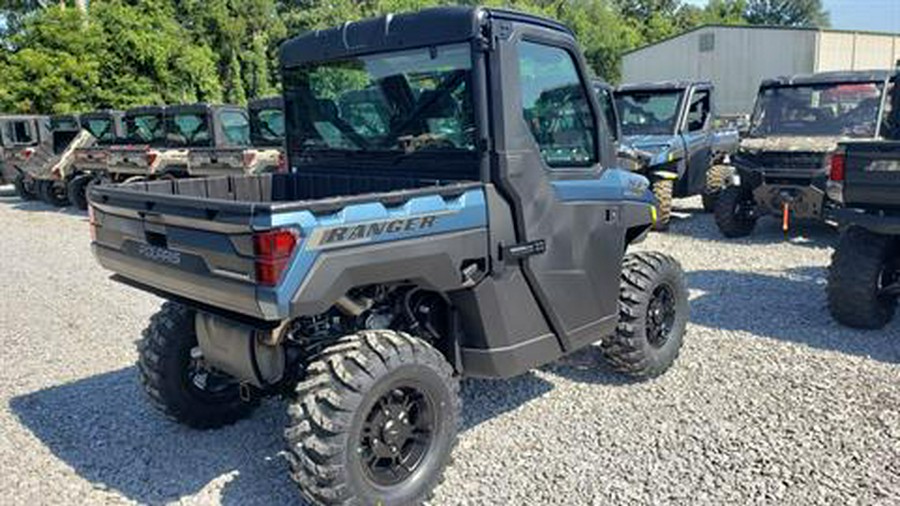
[[660, 315], [396, 435]]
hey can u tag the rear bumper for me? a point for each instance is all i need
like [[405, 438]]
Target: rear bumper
[[206, 290], [844, 217], [803, 201]]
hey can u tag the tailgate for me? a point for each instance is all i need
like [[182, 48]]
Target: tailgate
[[93, 158], [206, 162], [197, 249], [129, 160], [872, 176]]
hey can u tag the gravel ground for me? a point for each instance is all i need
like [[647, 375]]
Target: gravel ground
[[770, 402]]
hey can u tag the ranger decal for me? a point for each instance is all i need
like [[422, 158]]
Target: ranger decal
[[355, 233]]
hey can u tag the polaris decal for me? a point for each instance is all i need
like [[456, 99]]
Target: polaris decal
[[343, 235]]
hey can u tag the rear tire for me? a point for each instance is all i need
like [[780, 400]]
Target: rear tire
[[663, 190], [732, 221], [77, 190], [172, 378], [372, 399], [25, 187], [653, 316], [716, 180], [52, 193], [860, 266]]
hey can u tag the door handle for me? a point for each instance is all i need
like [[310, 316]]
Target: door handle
[[516, 252]]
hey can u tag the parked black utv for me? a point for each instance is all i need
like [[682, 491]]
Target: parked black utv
[[864, 278], [782, 164]]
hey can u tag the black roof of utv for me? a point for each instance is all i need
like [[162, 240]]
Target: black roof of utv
[[265, 103], [199, 108], [664, 85], [102, 114], [849, 76], [146, 109], [393, 32]]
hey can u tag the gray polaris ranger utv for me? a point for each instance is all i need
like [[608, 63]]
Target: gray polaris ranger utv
[[671, 124], [468, 221], [782, 163], [46, 163]]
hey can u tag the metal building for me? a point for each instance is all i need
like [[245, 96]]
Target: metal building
[[737, 58]]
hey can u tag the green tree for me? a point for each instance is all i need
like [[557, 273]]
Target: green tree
[[787, 13]]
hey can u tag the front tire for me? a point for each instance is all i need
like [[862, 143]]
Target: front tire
[[374, 422], [653, 315], [716, 181], [25, 187], [731, 213], [663, 190], [177, 383], [862, 264]]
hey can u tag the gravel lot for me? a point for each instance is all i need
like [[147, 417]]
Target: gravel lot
[[771, 402]]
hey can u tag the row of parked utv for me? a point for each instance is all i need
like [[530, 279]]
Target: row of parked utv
[[455, 206], [817, 147], [56, 158]]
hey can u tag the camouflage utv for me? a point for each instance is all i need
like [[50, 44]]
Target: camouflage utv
[[797, 123], [19, 138], [90, 163], [145, 152], [244, 141]]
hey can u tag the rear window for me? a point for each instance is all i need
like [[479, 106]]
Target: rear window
[[67, 124], [268, 126], [145, 128], [188, 130], [101, 129], [235, 128]]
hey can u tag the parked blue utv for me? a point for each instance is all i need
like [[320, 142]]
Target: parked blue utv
[[453, 209], [672, 124]]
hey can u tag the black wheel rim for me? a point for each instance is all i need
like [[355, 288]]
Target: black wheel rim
[[207, 384], [397, 435], [661, 315]]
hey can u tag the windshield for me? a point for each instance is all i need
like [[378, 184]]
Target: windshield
[[145, 128], [407, 101], [648, 112], [267, 126], [187, 130], [101, 129], [821, 110]]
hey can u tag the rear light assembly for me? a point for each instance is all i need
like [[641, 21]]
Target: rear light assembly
[[282, 163], [152, 157], [838, 167], [837, 172], [26, 154], [249, 159], [273, 250]]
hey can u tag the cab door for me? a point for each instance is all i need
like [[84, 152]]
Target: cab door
[[696, 134], [551, 147]]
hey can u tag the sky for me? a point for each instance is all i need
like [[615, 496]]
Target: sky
[[873, 15]]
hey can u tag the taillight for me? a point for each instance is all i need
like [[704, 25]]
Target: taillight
[[282, 162], [25, 154], [249, 158], [151, 157], [838, 167], [273, 250]]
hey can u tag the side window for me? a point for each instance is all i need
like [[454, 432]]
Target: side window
[[236, 127], [555, 106], [699, 110], [22, 132]]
